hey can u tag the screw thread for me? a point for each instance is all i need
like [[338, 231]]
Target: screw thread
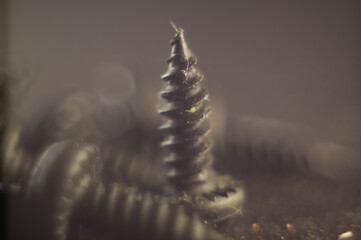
[[117, 212], [187, 128]]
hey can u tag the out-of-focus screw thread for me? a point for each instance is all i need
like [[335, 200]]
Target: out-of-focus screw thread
[[117, 212], [187, 128]]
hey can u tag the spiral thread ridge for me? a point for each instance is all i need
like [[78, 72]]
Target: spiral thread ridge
[[115, 211], [187, 128]]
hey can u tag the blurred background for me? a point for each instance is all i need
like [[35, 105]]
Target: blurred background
[[295, 61]]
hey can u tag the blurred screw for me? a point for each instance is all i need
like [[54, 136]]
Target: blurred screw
[[117, 212]]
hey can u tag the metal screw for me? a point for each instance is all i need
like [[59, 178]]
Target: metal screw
[[187, 128], [218, 199], [115, 211]]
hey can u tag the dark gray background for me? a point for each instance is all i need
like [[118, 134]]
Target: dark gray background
[[295, 61]]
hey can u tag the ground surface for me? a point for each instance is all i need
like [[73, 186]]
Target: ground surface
[[301, 209]]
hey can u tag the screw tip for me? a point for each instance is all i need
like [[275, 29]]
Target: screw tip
[[177, 29]]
